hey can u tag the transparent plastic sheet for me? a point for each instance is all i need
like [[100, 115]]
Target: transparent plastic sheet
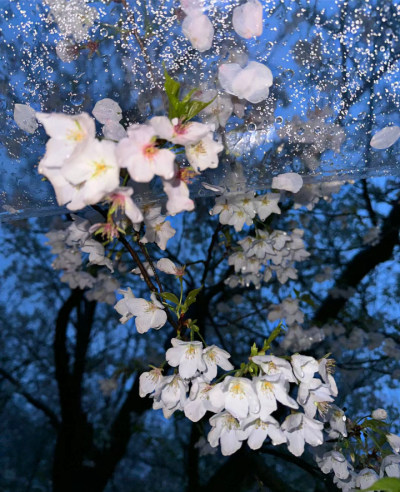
[[336, 83]]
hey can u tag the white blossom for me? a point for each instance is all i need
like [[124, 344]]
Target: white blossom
[[121, 306], [304, 367], [167, 266], [93, 172], [172, 391], [224, 430], [215, 357], [247, 19], [394, 442], [238, 260], [336, 418], [256, 431], [379, 414], [149, 314], [199, 402], [270, 364], [218, 112], [270, 389], [150, 382], [158, 231], [336, 462], [180, 133], [96, 254], [178, 196], [312, 393], [204, 153], [267, 204], [299, 429], [188, 356], [390, 466], [78, 280], [142, 157], [238, 396], [104, 289], [346, 485], [288, 310], [366, 478]]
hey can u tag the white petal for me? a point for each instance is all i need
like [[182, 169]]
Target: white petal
[[24, 117], [385, 138]]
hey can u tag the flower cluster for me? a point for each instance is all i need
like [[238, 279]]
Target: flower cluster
[[243, 407], [69, 244]]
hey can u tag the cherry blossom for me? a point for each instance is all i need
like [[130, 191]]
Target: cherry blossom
[[238, 260], [271, 365], [172, 392], [178, 196], [379, 414], [158, 231], [390, 466], [224, 430], [251, 83], [270, 389], [304, 367], [167, 266], [178, 132], [247, 19], [204, 154], [225, 208], [93, 172], [68, 134], [288, 310], [121, 306], [188, 356], [299, 429], [311, 394], [256, 430], [394, 442], [147, 266], [346, 485], [150, 382], [239, 219], [215, 357], [96, 254], [238, 396], [104, 289], [199, 402], [142, 157], [198, 29], [267, 204], [336, 462], [149, 314], [366, 478], [121, 200], [78, 280], [219, 111], [288, 182]]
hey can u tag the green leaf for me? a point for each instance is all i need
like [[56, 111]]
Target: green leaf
[[193, 293], [385, 485], [297, 292], [307, 298], [195, 107], [171, 86], [170, 297]]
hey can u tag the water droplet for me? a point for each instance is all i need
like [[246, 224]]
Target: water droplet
[[50, 69], [251, 127], [279, 120], [77, 99], [288, 74], [300, 131]]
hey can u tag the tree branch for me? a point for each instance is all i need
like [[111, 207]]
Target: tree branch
[[361, 265], [31, 399]]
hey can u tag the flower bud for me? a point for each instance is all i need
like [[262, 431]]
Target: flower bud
[[379, 414]]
